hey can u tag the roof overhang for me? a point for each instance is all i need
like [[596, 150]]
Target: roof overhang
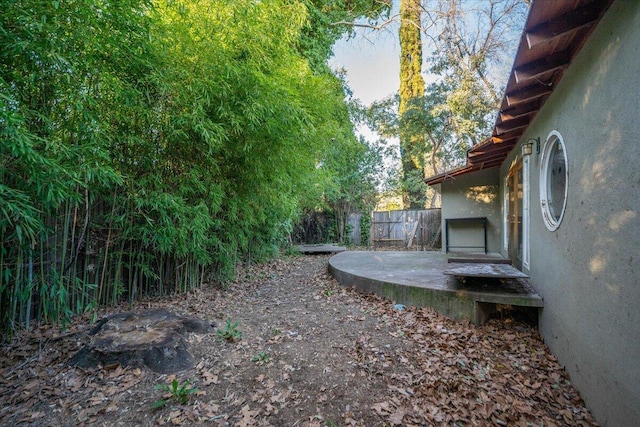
[[554, 33]]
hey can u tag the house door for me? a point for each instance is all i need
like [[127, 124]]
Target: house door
[[515, 193]]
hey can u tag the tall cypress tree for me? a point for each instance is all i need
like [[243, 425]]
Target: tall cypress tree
[[411, 93]]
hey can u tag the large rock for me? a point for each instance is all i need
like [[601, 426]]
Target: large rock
[[152, 338]]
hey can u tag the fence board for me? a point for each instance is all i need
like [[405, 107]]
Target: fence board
[[355, 233]]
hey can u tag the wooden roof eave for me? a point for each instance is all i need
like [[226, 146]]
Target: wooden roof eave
[[568, 22], [492, 154], [520, 110], [536, 69]]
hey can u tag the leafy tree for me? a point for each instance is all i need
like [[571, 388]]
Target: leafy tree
[[470, 41], [352, 169], [437, 124], [347, 170], [252, 107], [347, 178], [329, 20]]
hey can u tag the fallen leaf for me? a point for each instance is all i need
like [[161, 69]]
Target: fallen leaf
[[248, 416], [397, 416]]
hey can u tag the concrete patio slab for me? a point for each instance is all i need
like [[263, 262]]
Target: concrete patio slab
[[418, 279]]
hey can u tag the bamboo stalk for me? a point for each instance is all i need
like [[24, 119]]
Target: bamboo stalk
[[106, 250], [72, 250], [131, 284], [42, 276], [30, 285], [16, 287], [117, 276], [63, 294], [134, 284], [4, 287]]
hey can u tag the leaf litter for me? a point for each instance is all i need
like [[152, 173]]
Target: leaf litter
[[335, 357]]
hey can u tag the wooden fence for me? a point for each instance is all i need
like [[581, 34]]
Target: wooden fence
[[409, 228]]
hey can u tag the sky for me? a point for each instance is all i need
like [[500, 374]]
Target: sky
[[372, 61]]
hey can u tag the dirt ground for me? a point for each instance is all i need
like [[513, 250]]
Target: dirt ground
[[312, 353]]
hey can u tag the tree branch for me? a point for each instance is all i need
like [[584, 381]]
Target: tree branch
[[376, 27]]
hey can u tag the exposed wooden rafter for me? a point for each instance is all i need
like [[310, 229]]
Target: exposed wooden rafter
[[513, 124], [563, 24], [437, 179], [494, 159], [520, 110], [542, 66], [501, 150], [506, 136], [528, 93], [488, 164]]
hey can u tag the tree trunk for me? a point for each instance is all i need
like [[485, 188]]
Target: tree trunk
[[153, 338]]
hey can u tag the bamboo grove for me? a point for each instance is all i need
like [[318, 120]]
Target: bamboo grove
[[149, 146]]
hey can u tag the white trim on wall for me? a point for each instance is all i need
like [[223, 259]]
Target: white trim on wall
[[505, 213], [526, 211]]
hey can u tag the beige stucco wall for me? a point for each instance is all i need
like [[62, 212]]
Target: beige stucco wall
[[588, 271], [472, 195]]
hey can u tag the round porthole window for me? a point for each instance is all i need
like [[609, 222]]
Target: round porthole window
[[553, 180]]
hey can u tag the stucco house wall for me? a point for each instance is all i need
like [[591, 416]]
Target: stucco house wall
[[588, 269], [473, 195]]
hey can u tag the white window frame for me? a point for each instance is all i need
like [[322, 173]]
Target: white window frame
[[550, 222]]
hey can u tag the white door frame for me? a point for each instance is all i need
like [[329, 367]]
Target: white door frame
[[526, 211]]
